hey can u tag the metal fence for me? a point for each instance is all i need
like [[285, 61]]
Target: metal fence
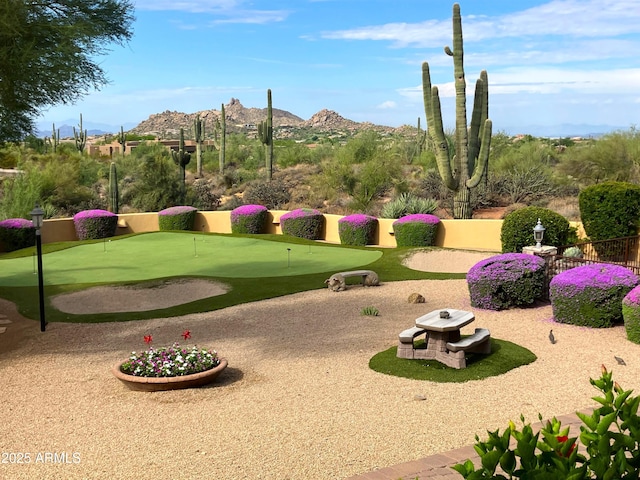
[[618, 251]]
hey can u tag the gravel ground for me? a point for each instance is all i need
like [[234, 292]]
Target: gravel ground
[[298, 399]]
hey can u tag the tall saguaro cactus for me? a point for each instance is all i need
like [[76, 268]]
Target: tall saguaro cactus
[[223, 139], [182, 159], [122, 140], [80, 136], [421, 140], [265, 134], [113, 189], [465, 169], [198, 133]]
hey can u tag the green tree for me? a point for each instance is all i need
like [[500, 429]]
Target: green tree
[[48, 54]]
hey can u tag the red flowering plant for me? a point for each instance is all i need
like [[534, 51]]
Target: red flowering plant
[[609, 438], [173, 361]]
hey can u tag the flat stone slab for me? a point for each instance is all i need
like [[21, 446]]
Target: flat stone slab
[[2, 316], [3, 329], [4, 321]]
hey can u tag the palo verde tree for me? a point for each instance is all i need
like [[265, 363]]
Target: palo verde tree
[[49, 54], [464, 169], [265, 135]]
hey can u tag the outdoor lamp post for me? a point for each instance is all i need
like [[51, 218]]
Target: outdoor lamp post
[[538, 234], [37, 215]]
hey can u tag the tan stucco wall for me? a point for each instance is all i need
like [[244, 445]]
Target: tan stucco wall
[[460, 234]]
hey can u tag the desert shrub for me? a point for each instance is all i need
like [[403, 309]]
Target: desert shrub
[[232, 202], [177, 218], [201, 195], [417, 230], [631, 314], [17, 233], [95, 224], [248, 219], [524, 184], [303, 223], [274, 194], [407, 204], [610, 210], [507, 280], [517, 228], [357, 229], [591, 295], [573, 252], [370, 311]]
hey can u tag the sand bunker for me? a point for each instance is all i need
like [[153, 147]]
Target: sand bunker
[[137, 298]]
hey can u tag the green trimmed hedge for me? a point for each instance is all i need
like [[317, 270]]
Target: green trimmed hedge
[[303, 223], [517, 228], [417, 230], [609, 210], [249, 219], [357, 229], [177, 218]]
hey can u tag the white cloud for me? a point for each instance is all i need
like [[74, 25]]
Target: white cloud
[[545, 81], [573, 18], [389, 104], [230, 11]]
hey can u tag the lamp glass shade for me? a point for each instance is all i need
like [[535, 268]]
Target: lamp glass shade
[[538, 233], [37, 215]]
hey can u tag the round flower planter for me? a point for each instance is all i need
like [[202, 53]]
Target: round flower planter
[[155, 384]]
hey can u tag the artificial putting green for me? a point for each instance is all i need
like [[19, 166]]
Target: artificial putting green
[[174, 254]]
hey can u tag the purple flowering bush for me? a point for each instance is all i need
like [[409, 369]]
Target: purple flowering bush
[[248, 219], [17, 233], [416, 230], [357, 229], [95, 224], [506, 280], [591, 295], [631, 314], [303, 223], [177, 218]]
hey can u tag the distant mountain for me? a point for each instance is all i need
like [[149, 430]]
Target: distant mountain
[[240, 117], [92, 128], [565, 130]]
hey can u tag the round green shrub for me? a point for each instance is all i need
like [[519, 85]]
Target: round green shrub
[[17, 233], [507, 280], [357, 229], [303, 223], [417, 230], [609, 210], [517, 228], [631, 314], [591, 295], [177, 218], [95, 224], [248, 219]]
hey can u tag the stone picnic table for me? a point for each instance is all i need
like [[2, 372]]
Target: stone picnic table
[[443, 338]]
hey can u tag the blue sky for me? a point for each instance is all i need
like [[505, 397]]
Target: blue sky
[[549, 62]]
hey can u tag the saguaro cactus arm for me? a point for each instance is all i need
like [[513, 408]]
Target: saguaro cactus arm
[[436, 130]]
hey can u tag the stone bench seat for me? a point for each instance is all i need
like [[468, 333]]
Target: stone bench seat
[[408, 335], [406, 339], [337, 282], [479, 342]]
